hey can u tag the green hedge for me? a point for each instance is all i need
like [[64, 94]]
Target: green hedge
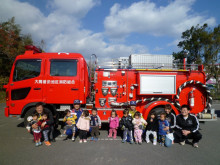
[[3, 81]]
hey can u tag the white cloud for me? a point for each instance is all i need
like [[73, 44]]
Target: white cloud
[[78, 8], [146, 17], [61, 29]]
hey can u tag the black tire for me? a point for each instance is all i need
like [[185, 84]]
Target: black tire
[[28, 113], [157, 111]]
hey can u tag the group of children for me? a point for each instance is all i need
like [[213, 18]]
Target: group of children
[[39, 126], [152, 126], [132, 125], [82, 122]]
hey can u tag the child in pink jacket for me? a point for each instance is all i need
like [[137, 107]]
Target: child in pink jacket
[[83, 125], [138, 127], [113, 124]]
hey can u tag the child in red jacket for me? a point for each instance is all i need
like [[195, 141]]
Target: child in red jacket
[[45, 127]]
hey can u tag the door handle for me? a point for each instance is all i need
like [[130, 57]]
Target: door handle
[[74, 89], [37, 88]]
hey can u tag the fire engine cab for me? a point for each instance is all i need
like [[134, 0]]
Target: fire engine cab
[[57, 79]]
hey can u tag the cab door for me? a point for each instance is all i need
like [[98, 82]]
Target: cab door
[[24, 86], [62, 79]]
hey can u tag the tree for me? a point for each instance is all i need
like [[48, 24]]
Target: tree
[[203, 46], [12, 43]]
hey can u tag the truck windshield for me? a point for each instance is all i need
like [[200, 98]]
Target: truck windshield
[[59, 67], [26, 69]]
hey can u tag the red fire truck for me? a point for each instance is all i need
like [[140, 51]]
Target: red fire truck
[[57, 79]]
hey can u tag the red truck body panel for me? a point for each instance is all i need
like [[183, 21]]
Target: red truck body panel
[[132, 76], [47, 88]]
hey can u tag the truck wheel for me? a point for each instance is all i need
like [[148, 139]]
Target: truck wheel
[[157, 111], [28, 113]]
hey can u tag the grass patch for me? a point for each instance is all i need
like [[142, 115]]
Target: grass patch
[[2, 96]]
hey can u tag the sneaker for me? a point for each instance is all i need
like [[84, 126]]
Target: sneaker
[[114, 137], [80, 141], [47, 143], [131, 142], [73, 139], [147, 141], [123, 141], [53, 140], [109, 136], [182, 143], [63, 135], [39, 143], [92, 138], [195, 145], [154, 143], [140, 143], [36, 144], [85, 141]]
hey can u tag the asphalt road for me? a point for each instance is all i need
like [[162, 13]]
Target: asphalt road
[[17, 147]]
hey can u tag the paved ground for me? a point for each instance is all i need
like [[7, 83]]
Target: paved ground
[[16, 147]]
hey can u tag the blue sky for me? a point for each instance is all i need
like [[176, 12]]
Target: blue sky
[[110, 28]]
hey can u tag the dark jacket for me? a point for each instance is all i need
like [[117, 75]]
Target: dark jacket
[[171, 118], [190, 124], [46, 127], [50, 120], [95, 121], [126, 122], [152, 125]]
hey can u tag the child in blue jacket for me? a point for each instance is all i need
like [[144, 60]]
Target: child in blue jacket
[[163, 128]]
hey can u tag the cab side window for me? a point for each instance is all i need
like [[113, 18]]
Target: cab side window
[[59, 67], [26, 69]]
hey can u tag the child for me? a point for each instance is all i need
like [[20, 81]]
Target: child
[[83, 126], [171, 118], [113, 124], [138, 127], [163, 128], [70, 122], [127, 126], [95, 123], [36, 131], [152, 127], [45, 128]]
